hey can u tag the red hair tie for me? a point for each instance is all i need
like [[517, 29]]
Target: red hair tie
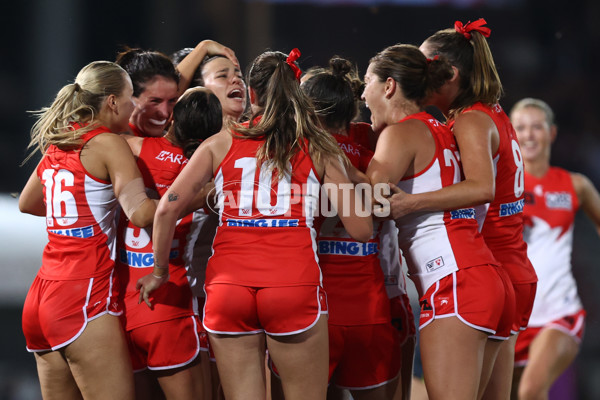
[[291, 59], [435, 58], [476, 26]]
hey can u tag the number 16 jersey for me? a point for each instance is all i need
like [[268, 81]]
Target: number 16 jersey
[[265, 236], [80, 216]]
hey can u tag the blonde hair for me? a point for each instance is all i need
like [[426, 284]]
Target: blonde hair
[[78, 102], [535, 103], [288, 116]]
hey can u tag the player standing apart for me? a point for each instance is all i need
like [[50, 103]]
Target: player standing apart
[[552, 197]]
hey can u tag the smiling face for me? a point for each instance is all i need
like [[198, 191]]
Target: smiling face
[[153, 107], [225, 80], [534, 132], [374, 96]]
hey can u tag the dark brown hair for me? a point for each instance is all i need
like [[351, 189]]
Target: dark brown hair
[[417, 76], [288, 117], [479, 80], [335, 92]]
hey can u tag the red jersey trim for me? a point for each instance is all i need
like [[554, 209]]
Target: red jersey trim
[[86, 138], [418, 116]]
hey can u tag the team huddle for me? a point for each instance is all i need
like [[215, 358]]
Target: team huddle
[[218, 236]]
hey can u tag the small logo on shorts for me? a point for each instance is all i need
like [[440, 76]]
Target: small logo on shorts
[[391, 280], [435, 264], [444, 302], [425, 306]]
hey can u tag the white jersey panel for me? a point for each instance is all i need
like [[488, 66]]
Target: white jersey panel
[[550, 253], [104, 206], [423, 236]]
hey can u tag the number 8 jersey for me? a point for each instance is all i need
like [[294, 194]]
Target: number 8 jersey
[[265, 236], [80, 216], [502, 226]]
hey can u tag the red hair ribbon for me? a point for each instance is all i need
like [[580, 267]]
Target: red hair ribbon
[[291, 59], [476, 26], [435, 58]]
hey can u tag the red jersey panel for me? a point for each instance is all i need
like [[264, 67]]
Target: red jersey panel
[[360, 133], [359, 155], [551, 198], [266, 236], [80, 216], [503, 223], [160, 162], [352, 276]]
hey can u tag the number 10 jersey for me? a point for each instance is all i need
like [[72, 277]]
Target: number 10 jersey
[[265, 236]]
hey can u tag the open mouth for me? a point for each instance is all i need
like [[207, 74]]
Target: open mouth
[[236, 94]]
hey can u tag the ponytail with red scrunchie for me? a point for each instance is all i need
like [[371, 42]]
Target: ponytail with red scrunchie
[[469, 27], [291, 61]]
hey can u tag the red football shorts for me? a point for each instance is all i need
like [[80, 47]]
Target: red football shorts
[[510, 308], [475, 295], [402, 317], [524, 295], [363, 356], [164, 345], [572, 325], [235, 309], [56, 312]]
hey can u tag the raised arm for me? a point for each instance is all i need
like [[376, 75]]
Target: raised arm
[[476, 135], [192, 179], [588, 196], [187, 67]]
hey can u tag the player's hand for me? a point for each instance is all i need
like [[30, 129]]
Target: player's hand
[[214, 48], [148, 284], [400, 202]]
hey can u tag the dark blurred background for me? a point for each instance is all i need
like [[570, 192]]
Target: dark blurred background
[[546, 49]]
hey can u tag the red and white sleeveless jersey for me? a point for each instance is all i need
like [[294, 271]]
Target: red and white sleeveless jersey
[[160, 162], [352, 276], [80, 216], [550, 207], [502, 222], [265, 236], [435, 244]]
